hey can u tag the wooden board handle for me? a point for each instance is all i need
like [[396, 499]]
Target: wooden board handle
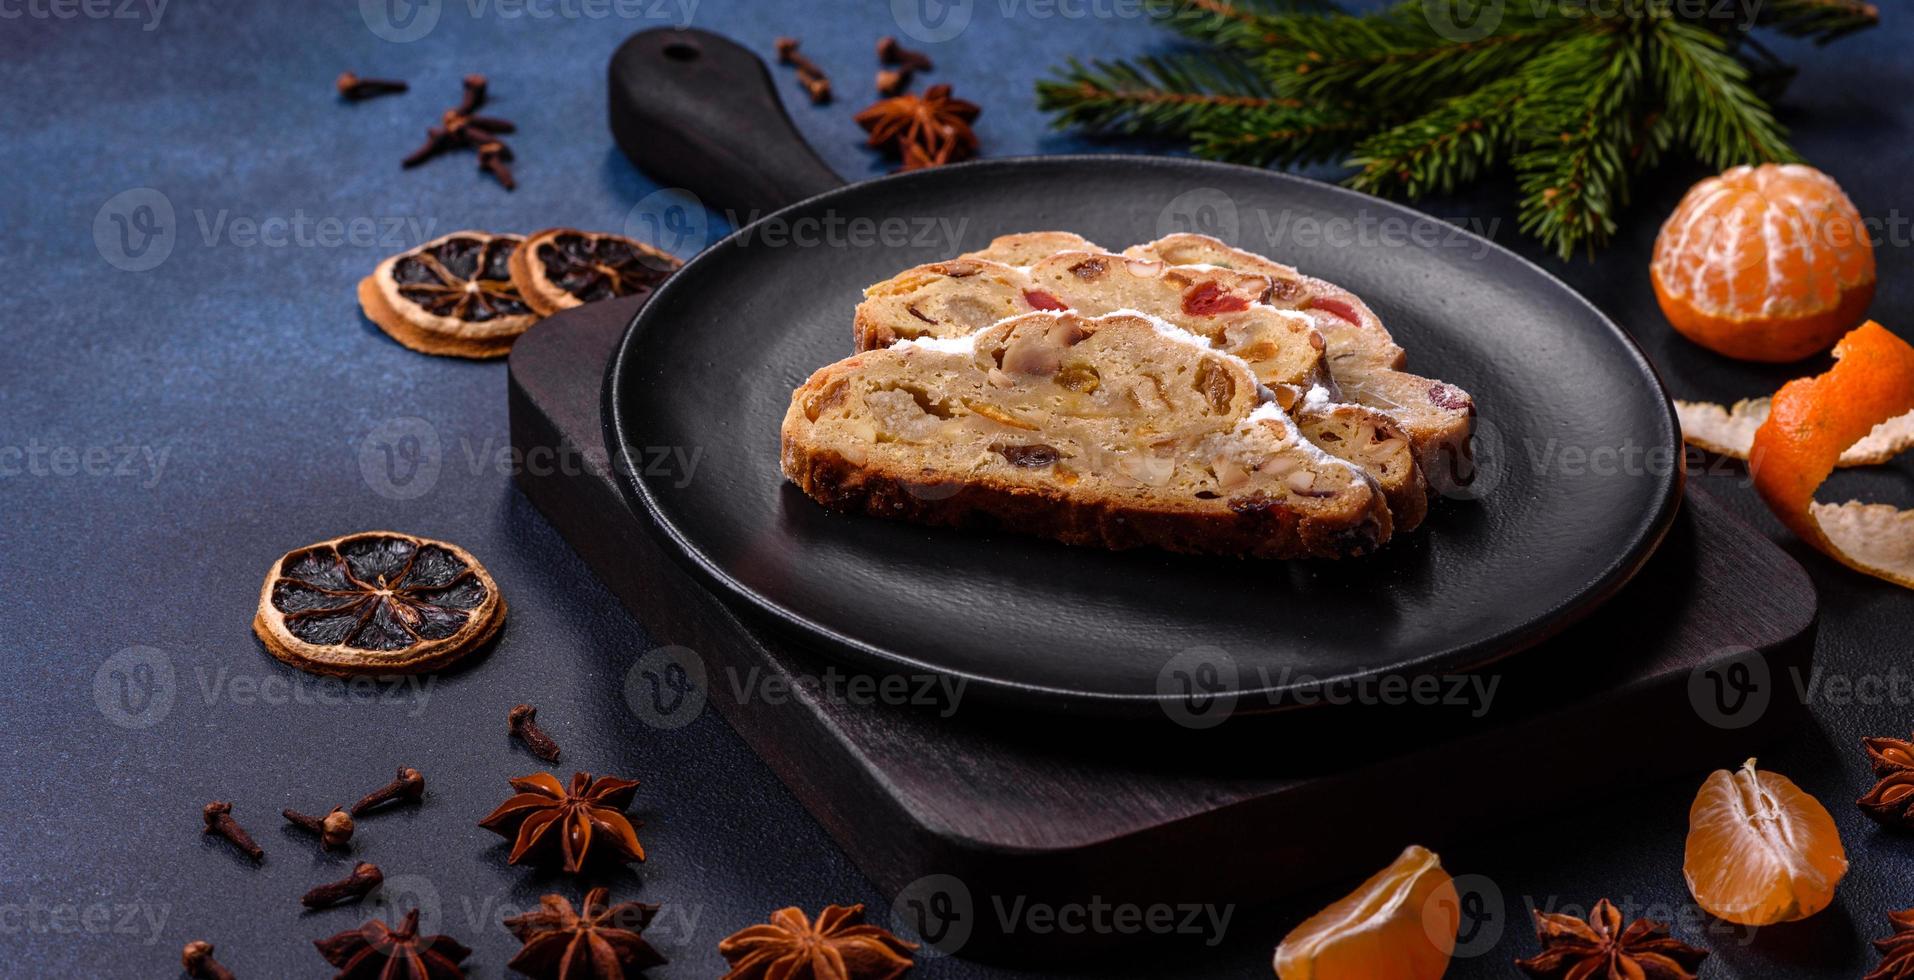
[[698, 111]]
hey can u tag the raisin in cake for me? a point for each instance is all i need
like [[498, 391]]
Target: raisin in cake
[[1119, 431]]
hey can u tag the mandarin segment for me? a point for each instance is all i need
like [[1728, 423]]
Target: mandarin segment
[[1760, 850], [1401, 923], [1768, 263]]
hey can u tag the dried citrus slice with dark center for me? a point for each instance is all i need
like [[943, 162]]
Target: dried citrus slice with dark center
[[560, 268], [377, 602], [453, 295]]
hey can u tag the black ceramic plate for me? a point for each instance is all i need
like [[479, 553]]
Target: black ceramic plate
[[1576, 439], [1577, 447]]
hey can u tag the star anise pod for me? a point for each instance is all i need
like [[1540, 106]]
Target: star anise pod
[[1891, 801], [375, 951], [839, 946], [545, 817], [1897, 950], [1600, 949], [597, 942], [923, 130]]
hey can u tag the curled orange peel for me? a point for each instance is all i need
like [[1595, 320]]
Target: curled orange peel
[[1812, 421]]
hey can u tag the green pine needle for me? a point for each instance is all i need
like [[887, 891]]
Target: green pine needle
[[1444, 148], [1429, 96], [1725, 122], [1167, 96], [1822, 20], [1577, 126]]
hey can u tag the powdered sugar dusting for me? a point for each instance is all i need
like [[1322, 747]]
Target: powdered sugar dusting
[[966, 344]]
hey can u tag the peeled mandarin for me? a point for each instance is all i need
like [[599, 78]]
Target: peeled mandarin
[[1400, 924], [1760, 850], [1768, 263]]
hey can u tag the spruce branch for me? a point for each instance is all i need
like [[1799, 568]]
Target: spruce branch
[[1725, 122], [1444, 148], [1402, 55], [1286, 136], [1576, 126], [1426, 96], [1165, 96], [1248, 25], [1822, 20]]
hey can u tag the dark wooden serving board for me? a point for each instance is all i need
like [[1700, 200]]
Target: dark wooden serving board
[[966, 814]]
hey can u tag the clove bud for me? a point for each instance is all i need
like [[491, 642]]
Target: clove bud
[[892, 53], [364, 878], [474, 96], [816, 84], [408, 785], [356, 89], [892, 81], [333, 830], [198, 960], [495, 158], [523, 722], [219, 820]]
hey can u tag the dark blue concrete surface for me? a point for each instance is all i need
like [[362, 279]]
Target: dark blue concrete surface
[[167, 431]]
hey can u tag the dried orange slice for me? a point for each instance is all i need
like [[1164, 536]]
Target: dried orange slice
[[1767, 263], [1400, 924], [452, 295], [560, 268], [1760, 850], [379, 602], [1812, 422]]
